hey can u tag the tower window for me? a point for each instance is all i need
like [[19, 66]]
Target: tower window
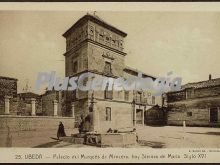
[[116, 43], [107, 68], [107, 38], [91, 30], [113, 42], [108, 114], [97, 34], [101, 36], [75, 67]]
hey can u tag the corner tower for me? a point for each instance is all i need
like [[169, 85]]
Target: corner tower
[[89, 42], [92, 45]]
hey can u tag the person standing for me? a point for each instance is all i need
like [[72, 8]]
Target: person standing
[[61, 131]]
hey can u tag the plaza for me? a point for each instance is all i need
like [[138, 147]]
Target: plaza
[[164, 137]]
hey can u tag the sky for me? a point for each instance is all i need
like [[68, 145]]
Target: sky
[[186, 43]]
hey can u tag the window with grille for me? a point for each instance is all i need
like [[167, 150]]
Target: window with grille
[[108, 114]]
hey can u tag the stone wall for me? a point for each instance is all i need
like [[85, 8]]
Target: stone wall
[[77, 54], [20, 107], [48, 103], [121, 115], [30, 131], [97, 58], [8, 86], [14, 106], [204, 92], [24, 107]]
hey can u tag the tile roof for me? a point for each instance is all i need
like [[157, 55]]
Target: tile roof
[[97, 20], [202, 84], [136, 71]]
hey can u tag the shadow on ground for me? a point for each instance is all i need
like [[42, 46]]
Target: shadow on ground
[[206, 133], [171, 137], [155, 125], [47, 145], [151, 144]]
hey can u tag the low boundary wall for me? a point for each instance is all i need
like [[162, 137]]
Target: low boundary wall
[[31, 131]]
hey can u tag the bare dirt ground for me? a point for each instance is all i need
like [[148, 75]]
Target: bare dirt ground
[[179, 137], [165, 137]]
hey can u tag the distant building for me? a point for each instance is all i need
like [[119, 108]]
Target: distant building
[[94, 46], [197, 103]]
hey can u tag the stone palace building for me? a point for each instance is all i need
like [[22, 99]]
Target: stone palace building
[[94, 46]]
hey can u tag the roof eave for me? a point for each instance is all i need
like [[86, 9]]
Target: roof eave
[[92, 18]]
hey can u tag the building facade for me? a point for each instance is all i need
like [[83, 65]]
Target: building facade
[[94, 46], [198, 104]]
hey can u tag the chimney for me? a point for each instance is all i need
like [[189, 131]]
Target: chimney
[[210, 76]]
